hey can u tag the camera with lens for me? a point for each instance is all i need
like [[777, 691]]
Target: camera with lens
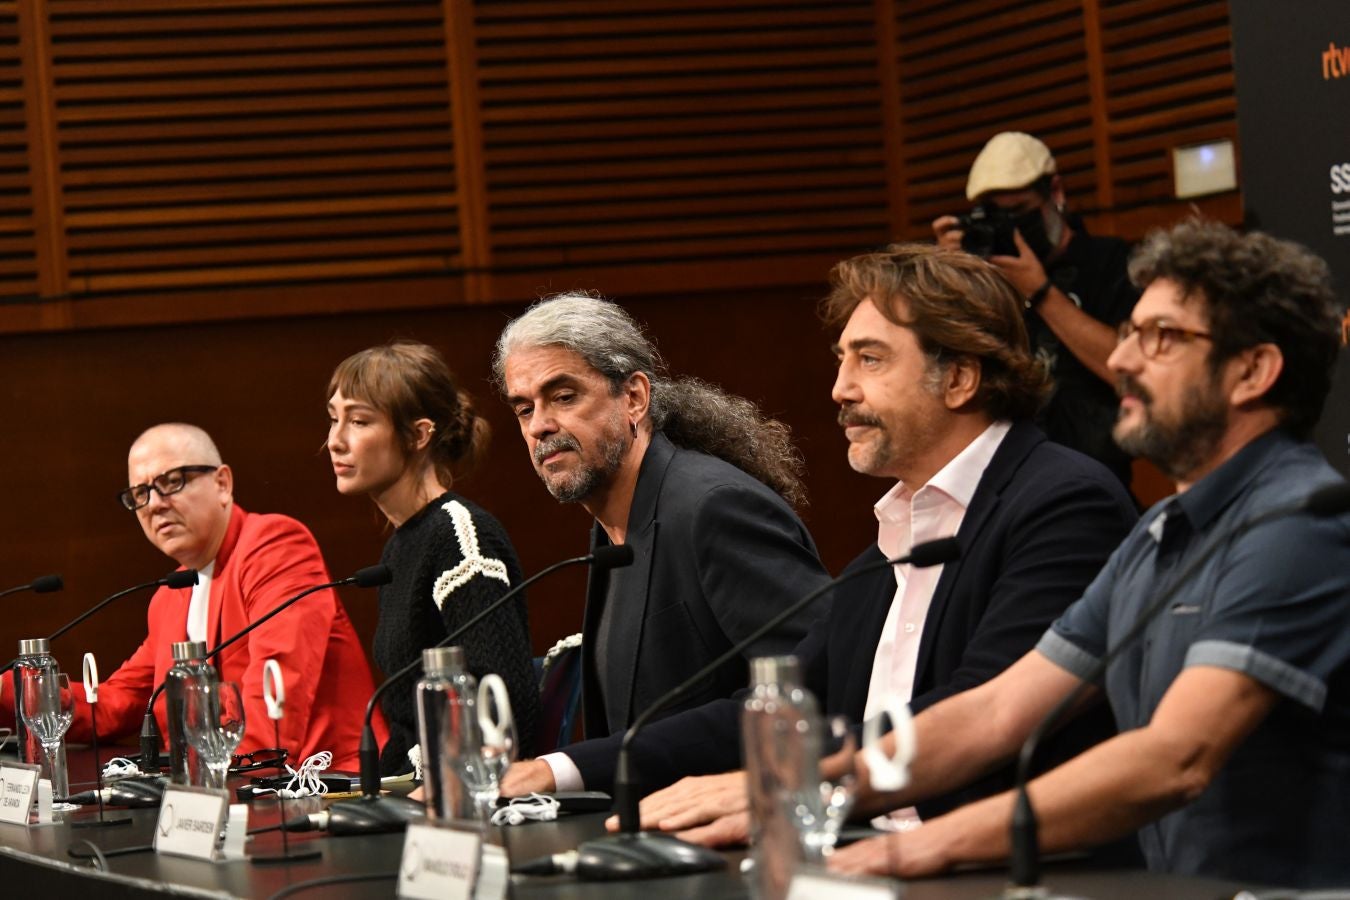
[[988, 231]]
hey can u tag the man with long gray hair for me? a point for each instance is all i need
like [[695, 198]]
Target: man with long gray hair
[[695, 480]]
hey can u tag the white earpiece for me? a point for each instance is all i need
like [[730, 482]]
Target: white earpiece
[[889, 773]]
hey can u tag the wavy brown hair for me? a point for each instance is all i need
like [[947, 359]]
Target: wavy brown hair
[[957, 305]]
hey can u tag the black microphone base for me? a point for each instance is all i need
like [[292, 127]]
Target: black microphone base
[[373, 815], [646, 854]]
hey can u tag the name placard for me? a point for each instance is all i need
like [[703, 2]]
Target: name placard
[[190, 821], [440, 861], [18, 788]]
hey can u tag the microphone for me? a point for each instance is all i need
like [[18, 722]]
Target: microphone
[[129, 792], [1025, 873], [370, 576], [177, 579], [367, 808], [43, 585], [361, 817], [633, 853]]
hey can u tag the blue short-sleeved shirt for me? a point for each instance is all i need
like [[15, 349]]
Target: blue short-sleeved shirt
[[1272, 603]]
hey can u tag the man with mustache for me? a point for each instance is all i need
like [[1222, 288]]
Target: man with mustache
[[693, 479], [936, 390], [1234, 706], [182, 495]]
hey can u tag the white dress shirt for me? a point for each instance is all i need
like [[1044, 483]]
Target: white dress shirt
[[199, 607], [904, 518]]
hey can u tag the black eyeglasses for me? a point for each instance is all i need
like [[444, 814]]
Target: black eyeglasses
[[166, 483], [266, 758], [1156, 338]]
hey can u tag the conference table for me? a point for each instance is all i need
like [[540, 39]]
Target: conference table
[[37, 860]]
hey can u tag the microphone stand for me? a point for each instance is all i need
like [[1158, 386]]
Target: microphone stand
[[177, 579], [91, 695], [274, 694], [370, 576], [373, 814], [42, 585], [1024, 862], [633, 853]]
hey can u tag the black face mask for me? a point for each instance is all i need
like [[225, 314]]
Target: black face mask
[[1032, 227]]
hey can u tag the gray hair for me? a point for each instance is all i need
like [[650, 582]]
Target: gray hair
[[592, 327], [691, 413]]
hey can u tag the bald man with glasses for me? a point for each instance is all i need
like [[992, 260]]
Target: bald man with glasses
[[182, 494]]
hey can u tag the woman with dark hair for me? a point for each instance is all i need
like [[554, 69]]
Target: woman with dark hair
[[399, 431]]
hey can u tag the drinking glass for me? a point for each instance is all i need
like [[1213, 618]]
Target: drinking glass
[[48, 709], [486, 745], [213, 720]]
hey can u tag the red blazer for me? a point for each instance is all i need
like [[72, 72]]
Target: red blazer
[[263, 561]]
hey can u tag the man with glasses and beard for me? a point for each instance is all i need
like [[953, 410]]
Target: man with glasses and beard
[[1073, 285], [696, 481], [182, 494], [1234, 708]]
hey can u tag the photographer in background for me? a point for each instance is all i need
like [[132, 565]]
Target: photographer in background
[[1074, 285]]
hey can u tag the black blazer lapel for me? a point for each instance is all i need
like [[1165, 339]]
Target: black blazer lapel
[[1018, 442], [597, 588], [632, 616], [858, 632], [631, 620]]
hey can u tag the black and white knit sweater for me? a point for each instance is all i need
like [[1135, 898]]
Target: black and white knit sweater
[[450, 561]]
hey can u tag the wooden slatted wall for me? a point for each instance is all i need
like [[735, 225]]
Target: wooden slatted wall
[[965, 74], [18, 240], [680, 131], [1111, 85], [1168, 74], [203, 143], [205, 152]]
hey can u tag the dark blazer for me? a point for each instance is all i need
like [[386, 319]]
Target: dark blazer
[[1040, 525], [716, 553]]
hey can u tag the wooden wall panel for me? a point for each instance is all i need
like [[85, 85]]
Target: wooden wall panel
[[211, 143], [1169, 82], [162, 152], [619, 133], [1110, 85], [967, 71], [18, 114]]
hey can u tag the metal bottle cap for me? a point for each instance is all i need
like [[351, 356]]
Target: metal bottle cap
[[442, 660], [187, 650], [774, 670], [35, 647]]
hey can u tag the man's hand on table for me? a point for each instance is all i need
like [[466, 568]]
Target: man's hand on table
[[707, 809], [907, 854], [528, 776]]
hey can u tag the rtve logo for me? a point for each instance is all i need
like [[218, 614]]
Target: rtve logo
[[1335, 62]]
